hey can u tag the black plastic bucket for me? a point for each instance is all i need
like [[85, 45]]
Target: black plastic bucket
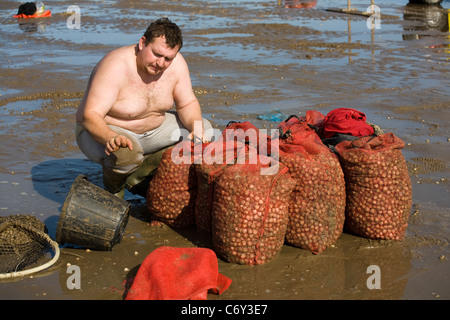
[[92, 217]]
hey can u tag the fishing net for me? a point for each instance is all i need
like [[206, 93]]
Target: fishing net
[[24, 246]]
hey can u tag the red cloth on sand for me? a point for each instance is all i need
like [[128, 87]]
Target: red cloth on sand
[[170, 273]]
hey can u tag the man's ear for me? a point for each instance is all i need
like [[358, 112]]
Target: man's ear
[[142, 41]]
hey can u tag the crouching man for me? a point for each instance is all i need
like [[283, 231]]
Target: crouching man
[[125, 113]]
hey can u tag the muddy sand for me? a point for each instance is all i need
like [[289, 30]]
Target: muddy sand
[[246, 58]]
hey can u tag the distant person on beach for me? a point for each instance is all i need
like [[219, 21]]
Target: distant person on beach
[[32, 10], [125, 112], [27, 8]]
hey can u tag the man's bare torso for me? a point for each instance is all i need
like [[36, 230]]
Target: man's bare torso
[[141, 102]]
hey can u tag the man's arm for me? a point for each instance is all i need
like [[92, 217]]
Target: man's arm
[[188, 107], [102, 93]]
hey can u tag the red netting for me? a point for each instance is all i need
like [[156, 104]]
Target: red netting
[[250, 212], [216, 157], [317, 204], [172, 191], [379, 191]]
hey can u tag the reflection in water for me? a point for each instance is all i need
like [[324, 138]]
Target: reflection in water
[[424, 18], [32, 25], [349, 36], [300, 4], [426, 21]]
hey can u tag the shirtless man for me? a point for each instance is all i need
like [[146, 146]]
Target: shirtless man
[[124, 114]]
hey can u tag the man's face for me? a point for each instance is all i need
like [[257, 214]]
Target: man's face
[[156, 56]]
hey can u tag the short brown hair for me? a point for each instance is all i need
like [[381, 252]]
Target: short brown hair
[[168, 29]]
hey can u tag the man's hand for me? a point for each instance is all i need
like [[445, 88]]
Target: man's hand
[[197, 137], [116, 143]]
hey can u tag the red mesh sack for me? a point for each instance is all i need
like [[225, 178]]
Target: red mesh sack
[[170, 273], [236, 138], [217, 156], [379, 191], [317, 203], [313, 120], [172, 191], [250, 213], [346, 121], [243, 132], [285, 125], [246, 132], [204, 200]]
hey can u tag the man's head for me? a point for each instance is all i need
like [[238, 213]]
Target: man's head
[[168, 29], [159, 46]]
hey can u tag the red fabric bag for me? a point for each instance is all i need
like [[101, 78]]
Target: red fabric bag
[[170, 273], [346, 121]]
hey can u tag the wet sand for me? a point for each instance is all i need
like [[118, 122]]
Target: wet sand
[[246, 59]]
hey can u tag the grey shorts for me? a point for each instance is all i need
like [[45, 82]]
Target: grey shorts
[[168, 133]]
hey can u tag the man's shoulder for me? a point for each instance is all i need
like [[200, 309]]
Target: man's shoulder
[[122, 53], [179, 64], [179, 58], [119, 58]]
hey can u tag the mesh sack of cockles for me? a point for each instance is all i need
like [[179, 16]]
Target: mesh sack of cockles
[[246, 132], [217, 155], [379, 191], [250, 211], [172, 191], [317, 204], [312, 120], [25, 246]]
